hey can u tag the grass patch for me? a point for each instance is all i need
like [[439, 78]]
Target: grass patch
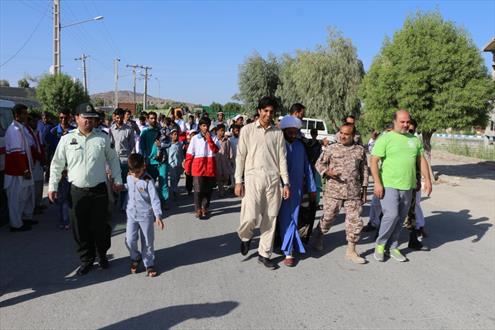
[[481, 151]]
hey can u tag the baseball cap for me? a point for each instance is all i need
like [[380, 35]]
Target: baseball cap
[[86, 110]]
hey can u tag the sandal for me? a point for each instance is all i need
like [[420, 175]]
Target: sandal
[[134, 266], [151, 272]]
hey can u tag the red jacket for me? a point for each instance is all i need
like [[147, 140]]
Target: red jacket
[[200, 156], [16, 159]]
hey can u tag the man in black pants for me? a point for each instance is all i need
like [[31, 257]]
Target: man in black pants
[[84, 153]]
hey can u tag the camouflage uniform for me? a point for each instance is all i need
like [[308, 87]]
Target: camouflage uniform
[[346, 190]]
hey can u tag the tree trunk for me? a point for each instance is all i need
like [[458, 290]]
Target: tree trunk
[[427, 149]]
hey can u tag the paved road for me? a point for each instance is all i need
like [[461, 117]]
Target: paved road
[[206, 283]]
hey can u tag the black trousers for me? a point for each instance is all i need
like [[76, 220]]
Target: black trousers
[[189, 183], [203, 188], [90, 222]]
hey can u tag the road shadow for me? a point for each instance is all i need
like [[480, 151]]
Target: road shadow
[[167, 317], [481, 170], [185, 205], [442, 227], [197, 251], [447, 226], [52, 277]]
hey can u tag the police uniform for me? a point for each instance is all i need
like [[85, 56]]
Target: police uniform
[[143, 207], [85, 158], [346, 190]]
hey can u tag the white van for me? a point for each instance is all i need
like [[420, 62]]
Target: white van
[[6, 118], [309, 123]]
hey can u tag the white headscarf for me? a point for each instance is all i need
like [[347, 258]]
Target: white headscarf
[[290, 122]]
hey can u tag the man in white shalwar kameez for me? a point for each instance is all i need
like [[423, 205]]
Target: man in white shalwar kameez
[[19, 184]]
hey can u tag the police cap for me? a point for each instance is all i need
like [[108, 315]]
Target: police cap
[[86, 110]]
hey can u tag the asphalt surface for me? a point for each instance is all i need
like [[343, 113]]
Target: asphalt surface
[[204, 282]]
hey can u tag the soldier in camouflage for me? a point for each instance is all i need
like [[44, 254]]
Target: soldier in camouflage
[[345, 167]]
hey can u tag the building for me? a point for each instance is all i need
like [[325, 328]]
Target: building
[[490, 128], [25, 96]]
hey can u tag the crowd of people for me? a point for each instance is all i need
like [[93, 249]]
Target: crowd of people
[[93, 163]]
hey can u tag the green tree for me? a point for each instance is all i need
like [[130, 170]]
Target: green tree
[[326, 80], [98, 102], [257, 78], [287, 89], [216, 107], [433, 69], [23, 83], [4, 83], [59, 91], [232, 107]]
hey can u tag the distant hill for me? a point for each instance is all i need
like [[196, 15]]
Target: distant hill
[[127, 96]]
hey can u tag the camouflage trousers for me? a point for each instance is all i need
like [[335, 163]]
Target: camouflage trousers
[[353, 221]]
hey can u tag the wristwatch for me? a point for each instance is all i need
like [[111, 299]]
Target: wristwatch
[[286, 185]]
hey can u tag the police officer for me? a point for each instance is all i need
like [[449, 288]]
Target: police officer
[[84, 152], [345, 167]]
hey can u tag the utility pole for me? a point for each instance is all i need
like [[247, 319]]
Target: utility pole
[[56, 37], [133, 79], [116, 69], [85, 76], [146, 77]]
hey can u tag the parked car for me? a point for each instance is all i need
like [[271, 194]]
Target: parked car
[[6, 118]]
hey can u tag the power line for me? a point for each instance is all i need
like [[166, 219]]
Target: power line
[[108, 36], [27, 40], [31, 5], [90, 42]]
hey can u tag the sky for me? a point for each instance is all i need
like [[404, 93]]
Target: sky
[[195, 47]]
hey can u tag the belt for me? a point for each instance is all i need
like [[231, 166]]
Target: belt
[[98, 187]]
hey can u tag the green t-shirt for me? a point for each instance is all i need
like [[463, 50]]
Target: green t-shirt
[[398, 153]]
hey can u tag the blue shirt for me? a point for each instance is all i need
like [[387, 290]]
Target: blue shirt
[[175, 154], [53, 136], [143, 203], [147, 146]]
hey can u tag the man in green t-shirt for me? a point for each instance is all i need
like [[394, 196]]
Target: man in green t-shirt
[[401, 153]]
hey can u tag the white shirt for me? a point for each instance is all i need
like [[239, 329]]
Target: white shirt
[[182, 124]]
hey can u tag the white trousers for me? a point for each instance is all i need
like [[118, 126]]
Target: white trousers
[[262, 199], [20, 200]]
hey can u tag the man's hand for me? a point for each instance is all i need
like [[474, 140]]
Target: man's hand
[[378, 191], [286, 192], [157, 143], [332, 173], [427, 188], [117, 187], [159, 223], [52, 196], [27, 175], [239, 190]]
